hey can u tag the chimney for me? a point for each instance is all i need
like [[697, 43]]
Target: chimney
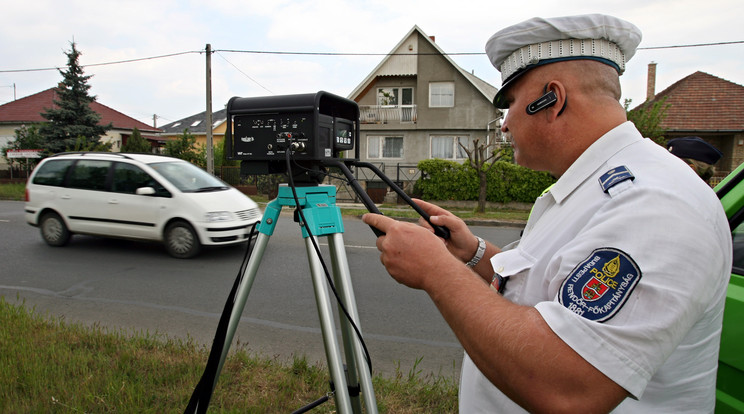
[[433, 39], [651, 83]]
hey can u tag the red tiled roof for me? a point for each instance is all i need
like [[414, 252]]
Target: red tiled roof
[[30, 108], [702, 102]]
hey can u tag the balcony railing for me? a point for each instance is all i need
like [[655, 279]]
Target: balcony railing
[[383, 114]]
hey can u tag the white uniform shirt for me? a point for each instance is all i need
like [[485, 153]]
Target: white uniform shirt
[[632, 278]]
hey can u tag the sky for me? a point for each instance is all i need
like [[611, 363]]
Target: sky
[[259, 44]]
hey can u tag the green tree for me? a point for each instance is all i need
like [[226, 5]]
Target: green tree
[[648, 118], [72, 119], [184, 147], [83, 144], [25, 138], [481, 157], [136, 143]]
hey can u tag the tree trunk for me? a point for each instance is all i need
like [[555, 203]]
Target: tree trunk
[[482, 191]]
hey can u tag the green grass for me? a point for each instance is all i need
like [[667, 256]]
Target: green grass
[[12, 191], [47, 365], [404, 211]]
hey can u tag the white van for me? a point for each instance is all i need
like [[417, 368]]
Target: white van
[[136, 196]]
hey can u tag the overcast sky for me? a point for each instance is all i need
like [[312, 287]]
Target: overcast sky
[[36, 34]]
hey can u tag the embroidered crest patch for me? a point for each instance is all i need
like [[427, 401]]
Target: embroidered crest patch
[[614, 177], [599, 286]]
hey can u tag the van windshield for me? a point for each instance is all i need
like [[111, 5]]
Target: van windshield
[[189, 178]]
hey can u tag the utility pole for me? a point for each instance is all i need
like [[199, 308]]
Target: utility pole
[[154, 120], [210, 150]]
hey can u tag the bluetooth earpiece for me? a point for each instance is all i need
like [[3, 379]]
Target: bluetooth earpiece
[[545, 101], [548, 99]]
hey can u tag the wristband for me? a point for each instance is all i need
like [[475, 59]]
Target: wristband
[[478, 253]]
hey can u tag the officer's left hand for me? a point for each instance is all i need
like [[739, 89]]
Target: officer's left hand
[[409, 252]]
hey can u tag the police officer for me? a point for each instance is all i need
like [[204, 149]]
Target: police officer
[[607, 302], [697, 153]]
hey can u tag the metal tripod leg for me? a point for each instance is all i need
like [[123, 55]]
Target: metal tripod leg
[[330, 340], [358, 369], [352, 344]]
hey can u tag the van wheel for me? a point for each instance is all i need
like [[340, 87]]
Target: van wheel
[[53, 230], [181, 240]]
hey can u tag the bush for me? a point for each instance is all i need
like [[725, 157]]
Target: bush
[[449, 180]]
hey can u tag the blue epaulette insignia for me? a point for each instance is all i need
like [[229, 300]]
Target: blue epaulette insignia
[[615, 176]]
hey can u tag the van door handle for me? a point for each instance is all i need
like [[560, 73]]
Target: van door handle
[[113, 201], [65, 197]]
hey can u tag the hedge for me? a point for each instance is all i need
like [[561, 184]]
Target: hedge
[[507, 182]]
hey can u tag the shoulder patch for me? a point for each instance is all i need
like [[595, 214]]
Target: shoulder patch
[[614, 177], [599, 286]]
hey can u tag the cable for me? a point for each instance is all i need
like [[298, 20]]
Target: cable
[[269, 52], [104, 63], [322, 262], [245, 74]]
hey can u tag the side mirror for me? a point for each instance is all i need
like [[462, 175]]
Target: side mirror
[[148, 191]]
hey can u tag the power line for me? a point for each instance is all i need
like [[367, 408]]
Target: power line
[[245, 74], [104, 63], [269, 52], [694, 45]]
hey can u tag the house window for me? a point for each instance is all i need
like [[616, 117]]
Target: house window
[[398, 103], [441, 94], [448, 148], [384, 147], [394, 96]]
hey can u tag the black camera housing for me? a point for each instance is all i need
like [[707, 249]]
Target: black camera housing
[[317, 128]]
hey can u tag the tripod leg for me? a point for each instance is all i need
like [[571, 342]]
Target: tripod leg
[[354, 352], [242, 295], [330, 341]]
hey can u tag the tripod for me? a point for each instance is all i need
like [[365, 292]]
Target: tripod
[[322, 218]]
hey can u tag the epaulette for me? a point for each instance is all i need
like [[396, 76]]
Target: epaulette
[[614, 177]]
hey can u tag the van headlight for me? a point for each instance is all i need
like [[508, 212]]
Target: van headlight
[[213, 216]]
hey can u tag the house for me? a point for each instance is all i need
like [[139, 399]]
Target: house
[[197, 126], [28, 110], [706, 106], [418, 104]]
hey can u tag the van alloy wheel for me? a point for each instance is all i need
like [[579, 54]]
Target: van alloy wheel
[[181, 240], [53, 230]]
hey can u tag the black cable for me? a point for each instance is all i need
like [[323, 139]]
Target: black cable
[[322, 262]]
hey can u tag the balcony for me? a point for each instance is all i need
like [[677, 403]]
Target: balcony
[[384, 114]]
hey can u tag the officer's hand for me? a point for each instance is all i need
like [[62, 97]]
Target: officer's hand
[[462, 243], [410, 253]]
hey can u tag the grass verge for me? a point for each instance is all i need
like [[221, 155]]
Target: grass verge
[[47, 365], [12, 191]]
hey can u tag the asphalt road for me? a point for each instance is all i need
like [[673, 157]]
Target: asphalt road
[[136, 287]]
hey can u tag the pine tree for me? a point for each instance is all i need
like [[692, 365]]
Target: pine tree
[[136, 143], [72, 120]]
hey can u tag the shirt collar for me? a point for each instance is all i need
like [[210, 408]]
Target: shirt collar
[[593, 158]]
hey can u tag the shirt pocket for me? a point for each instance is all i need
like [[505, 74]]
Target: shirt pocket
[[513, 266]]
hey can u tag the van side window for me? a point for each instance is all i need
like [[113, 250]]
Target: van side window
[[89, 175], [128, 178], [52, 173]]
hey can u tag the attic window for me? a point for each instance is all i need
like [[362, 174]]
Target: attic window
[[217, 122], [196, 123], [176, 124], [441, 94]]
